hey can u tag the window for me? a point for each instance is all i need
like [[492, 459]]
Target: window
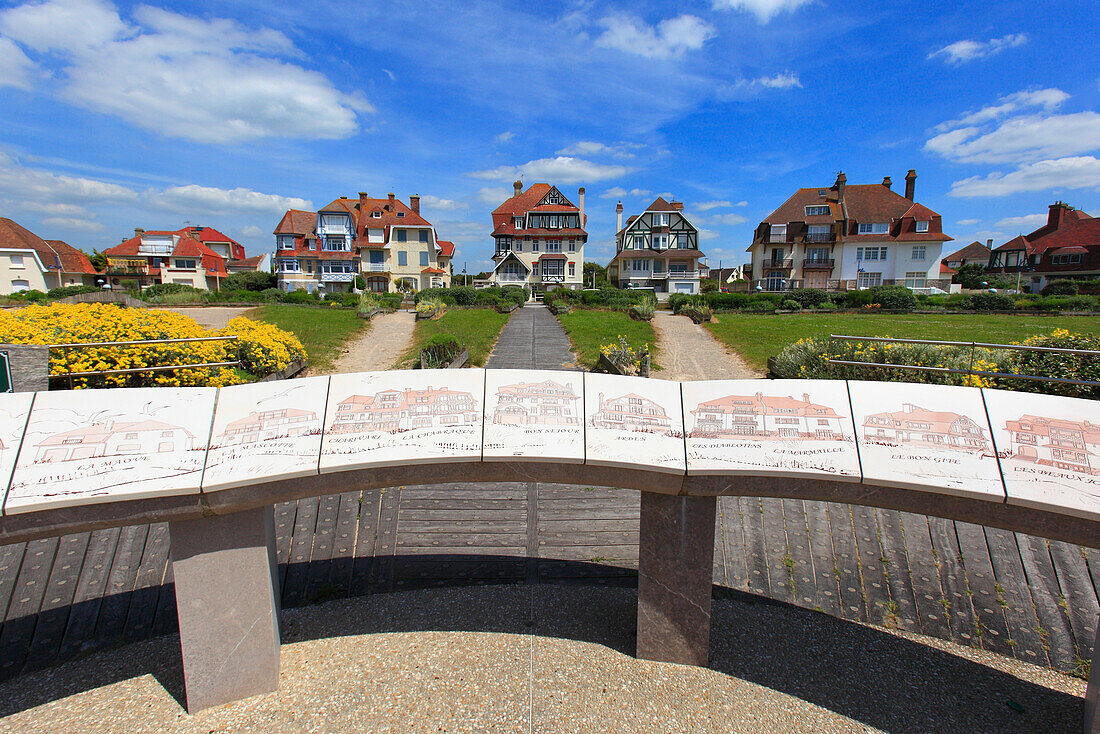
[[639, 241], [286, 241], [1067, 259], [874, 227], [639, 265], [870, 253], [572, 269], [400, 215], [779, 233], [17, 261], [916, 279], [335, 243], [922, 226], [658, 266], [517, 222], [681, 241], [553, 245], [185, 264], [402, 235], [309, 266], [424, 236], [660, 219], [402, 258], [660, 241], [817, 254], [534, 245], [423, 259], [376, 215], [919, 252], [554, 222], [20, 285], [777, 254], [289, 266], [552, 268], [819, 233], [572, 245], [868, 280], [817, 211]]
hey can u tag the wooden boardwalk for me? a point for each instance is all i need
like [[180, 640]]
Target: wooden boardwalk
[[1020, 596]]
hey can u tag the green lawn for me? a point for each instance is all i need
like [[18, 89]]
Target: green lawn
[[758, 336], [589, 330], [476, 328], [322, 331]]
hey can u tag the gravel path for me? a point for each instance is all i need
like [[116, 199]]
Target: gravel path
[[558, 659], [210, 317], [689, 352], [380, 346]]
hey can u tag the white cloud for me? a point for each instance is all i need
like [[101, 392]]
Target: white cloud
[[493, 195], [1022, 138], [45, 188], [961, 52], [706, 206], [193, 198], [1080, 172], [784, 80], [727, 219], [618, 192], [968, 222], [251, 231], [669, 39], [1048, 98], [74, 224], [565, 169], [15, 67], [588, 147], [764, 10], [208, 80], [434, 202], [505, 136], [707, 234], [742, 203], [1027, 221]]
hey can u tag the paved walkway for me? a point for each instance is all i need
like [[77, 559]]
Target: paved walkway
[[532, 339], [687, 351], [210, 317], [380, 346]]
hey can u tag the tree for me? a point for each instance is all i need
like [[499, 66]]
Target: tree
[[98, 260], [595, 270], [969, 276]]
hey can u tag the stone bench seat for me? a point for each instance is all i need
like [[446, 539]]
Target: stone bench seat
[[212, 462]]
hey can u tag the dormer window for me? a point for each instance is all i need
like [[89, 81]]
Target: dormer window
[[874, 227], [400, 215], [817, 211], [517, 222], [922, 226], [376, 215], [660, 219], [778, 233]]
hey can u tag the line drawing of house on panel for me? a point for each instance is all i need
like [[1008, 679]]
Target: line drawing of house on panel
[[115, 439], [920, 427], [1063, 444], [631, 412], [394, 411], [767, 416], [536, 403], [261, 425]]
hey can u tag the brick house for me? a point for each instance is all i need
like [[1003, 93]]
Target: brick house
[[1066, 247], [28, 262], [385, 241], [766, 416], [847, 237], [539, 238], [194, 256], [536, 403], [920, 427], [657, 249]]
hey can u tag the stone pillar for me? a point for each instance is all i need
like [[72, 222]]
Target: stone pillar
[[1092, 693], [227, 601], [675, 557]]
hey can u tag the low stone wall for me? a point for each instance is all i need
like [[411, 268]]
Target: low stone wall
[[119, 297]]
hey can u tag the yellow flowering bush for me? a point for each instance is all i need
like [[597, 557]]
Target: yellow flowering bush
[[263, 348], [622, 354], [101, 322]]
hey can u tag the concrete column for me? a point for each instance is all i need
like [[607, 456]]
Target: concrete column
[[227, 601], [1092, 693], [675, 557]]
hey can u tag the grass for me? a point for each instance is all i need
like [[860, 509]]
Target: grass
[[322, 331], [588, 330], [758, 336], [476, 328]]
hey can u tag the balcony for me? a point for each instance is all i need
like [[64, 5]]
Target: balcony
[[684, 274], [375, 267], [778, 264], [511, 278], [555, 278], [821, 237], [337, 277], [817, 263]]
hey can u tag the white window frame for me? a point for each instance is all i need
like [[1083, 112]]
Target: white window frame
[[817, 210], [286, 242], [920, 252], [17, 262], [778, 233], [868, 280], [553, 245], [660, 219], [922, 225], [572, 270], [874, 228]]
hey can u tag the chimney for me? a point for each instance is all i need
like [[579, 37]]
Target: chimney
[[841, 183], [806, 398], [414, 203], [138, 231], [517, 188], [677, 205], [618, 216], [887, 182], [907, 407], [1057, 214], [989, 243], [911, 184], [363, 203], [580, 196]]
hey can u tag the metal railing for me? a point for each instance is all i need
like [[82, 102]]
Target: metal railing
[[820, 236], [970, 371], [68, 348], [817, 262]]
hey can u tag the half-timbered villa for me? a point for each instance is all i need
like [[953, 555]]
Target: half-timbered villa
[[403, 410], [918, 426], [1062, 444], [657, 249], [536, 403], [631, 412], [765, 416], [539, 238]]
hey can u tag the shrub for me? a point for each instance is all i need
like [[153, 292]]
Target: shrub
[[263, 348], [359, 283], [426, 308], [440, 350], [893, 297], [71, 290], [274, 295], [1060, 288], [760, 306], [989, 302], [300, 297], [855, 299], [253, 280], [697, 310], [1054, 364], [790, 305], [643, 311], [808, 297], [622, 354], [464, 295], [348, 300], [164, 289], [30, 296], [730, 301]]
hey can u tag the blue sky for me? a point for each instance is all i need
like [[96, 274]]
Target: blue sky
[[115, 116]]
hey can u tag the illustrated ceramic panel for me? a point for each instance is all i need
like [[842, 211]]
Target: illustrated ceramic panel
[[633, 422], [402, 417], [266, 431], [88, 446], [1049, 448], [931, 437], [14, 409], [784, 428], [534, 415]]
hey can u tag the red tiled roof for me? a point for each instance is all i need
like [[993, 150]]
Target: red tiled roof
[[553, 256], [974, 251], [54, 254], [296, 221], [72, 259], [247, 263], [186, 246], [660, 205], [528, 201], [433, 271], [1019, 242], [1077, 229], [446, 247], [944, 270]]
